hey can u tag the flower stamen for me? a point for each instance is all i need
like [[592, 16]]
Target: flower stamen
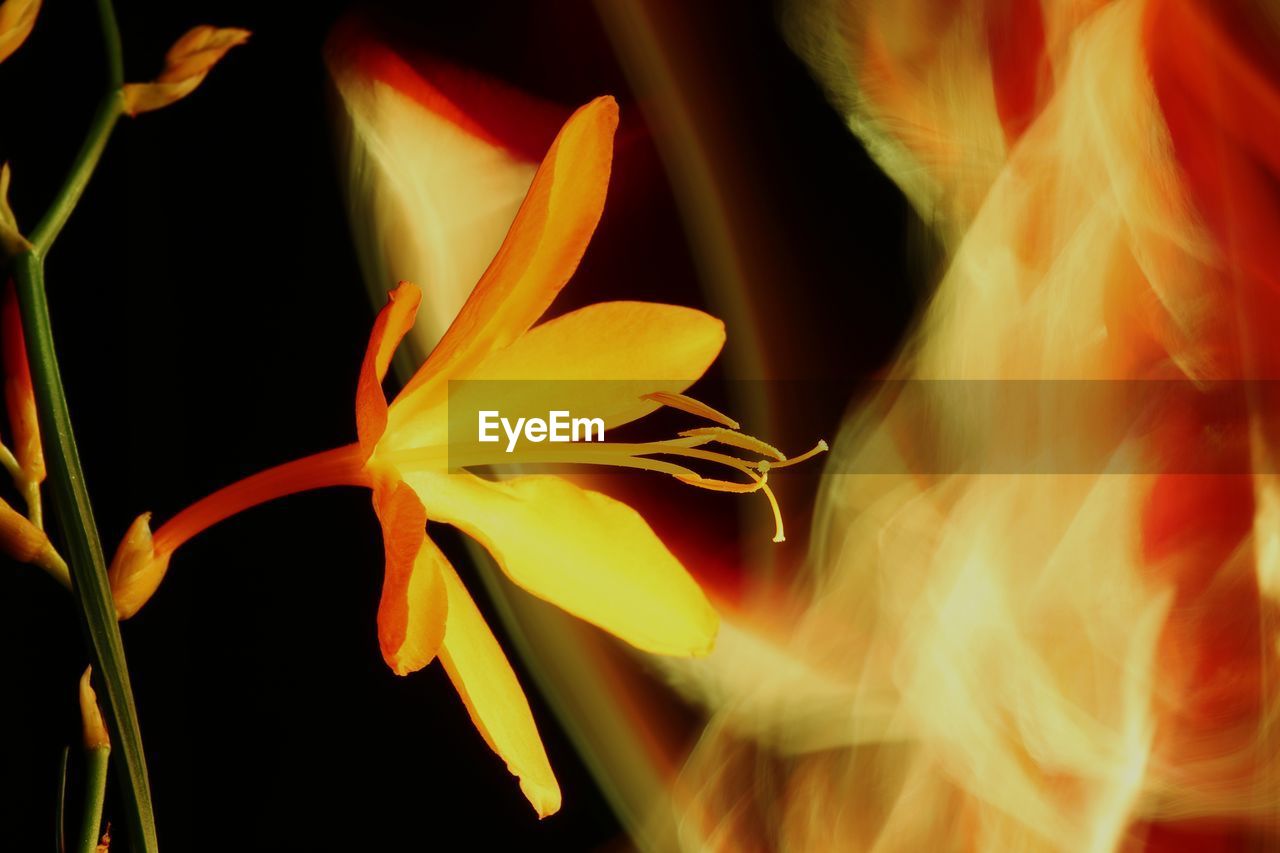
[[737, 439], [765, 465]]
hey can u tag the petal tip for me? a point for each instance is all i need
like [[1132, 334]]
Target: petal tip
[[545, 798], [403, 664], [603, 111], [94, 728], [405, 289]]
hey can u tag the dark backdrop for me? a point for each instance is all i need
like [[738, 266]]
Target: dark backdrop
[[210, 320]]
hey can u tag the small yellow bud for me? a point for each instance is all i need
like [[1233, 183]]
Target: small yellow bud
[[136, 570], [185, 66], [17, 17], [95, 730]]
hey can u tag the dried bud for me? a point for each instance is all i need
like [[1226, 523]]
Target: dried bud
[[17, 17], [185, 65], [19, 395], [95, 730], [136, 570]]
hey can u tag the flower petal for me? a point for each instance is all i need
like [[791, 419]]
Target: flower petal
[[17, 18], [393, 321], [414, 605], [539, 254], [437, 160], [484, 679], [596, 362], [582, 551], [619, 350]]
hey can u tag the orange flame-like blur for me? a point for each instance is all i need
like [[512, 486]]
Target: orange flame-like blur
[[1036, 661]]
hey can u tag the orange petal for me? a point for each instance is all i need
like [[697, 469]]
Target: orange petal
[[19, 396], [393, 321], [186, 65], [412, 611], [617, 350], [582, 551], [598, 362], [17, 18], [541, 250], [498, 707]]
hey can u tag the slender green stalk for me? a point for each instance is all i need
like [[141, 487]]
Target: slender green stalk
[[66, 478], [104, 119], [96, 760], [47, 230], [83, 549]]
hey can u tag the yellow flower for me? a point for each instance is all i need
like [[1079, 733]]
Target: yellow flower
[[587, 553]]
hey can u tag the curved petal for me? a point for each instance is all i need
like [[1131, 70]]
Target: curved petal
[[539, 254], [484, 679], [393, 321], [584, 552], [596, 362], [617, 350], [414, 604]]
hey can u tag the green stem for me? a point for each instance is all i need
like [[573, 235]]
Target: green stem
[[66, 479], [104, 119], [83, 549], [60, 830], [48, 228], [96, 760]]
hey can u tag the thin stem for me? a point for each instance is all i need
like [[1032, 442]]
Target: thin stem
[[111, 44], [60, 808], [84, 550], [95, 791], [109, 111], [71, 497], [29, 488], [10, 463], [35, 508]]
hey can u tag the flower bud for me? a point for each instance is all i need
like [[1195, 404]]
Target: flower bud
[[17, 17], [185, 66], [19, 395], [26, 543], [95, 730], [136, 569]]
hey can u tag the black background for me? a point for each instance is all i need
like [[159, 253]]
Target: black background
[[210, 320]]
